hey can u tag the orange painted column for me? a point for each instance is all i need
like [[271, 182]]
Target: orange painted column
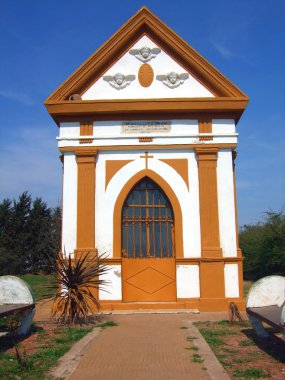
[[85, 203], [212, 264]]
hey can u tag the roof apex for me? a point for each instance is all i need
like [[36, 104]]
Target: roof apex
[[144, 22]]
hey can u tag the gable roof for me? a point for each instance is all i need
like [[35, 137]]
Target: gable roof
[[228, 97]]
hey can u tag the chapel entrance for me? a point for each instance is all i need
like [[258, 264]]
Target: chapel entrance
[[148, 249]]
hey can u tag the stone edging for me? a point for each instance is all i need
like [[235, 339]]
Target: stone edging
[[69, 361], [214, 368]]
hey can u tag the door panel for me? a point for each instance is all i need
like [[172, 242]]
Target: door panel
[[149, 280]]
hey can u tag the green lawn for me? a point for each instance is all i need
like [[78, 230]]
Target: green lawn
[[41, 350], [40, 284]]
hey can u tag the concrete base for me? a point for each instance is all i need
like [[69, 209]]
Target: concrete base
[[198, 304]]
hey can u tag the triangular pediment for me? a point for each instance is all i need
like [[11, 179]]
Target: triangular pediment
[[146, 71], [146, 77]]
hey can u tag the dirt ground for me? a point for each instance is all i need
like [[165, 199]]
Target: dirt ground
[[242, 353]]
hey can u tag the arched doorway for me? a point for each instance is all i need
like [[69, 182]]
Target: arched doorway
[[148, 244]]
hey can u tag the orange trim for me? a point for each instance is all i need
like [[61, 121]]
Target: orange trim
[[189, 260], [86, 129], [180, 165], [86, 201], [209, 216], [170, 194], [135, 107], [112, 167], [144, 22], [145, 139], [145, 75], [212, 283], [95, 148], [152, 116], [205, 126], [202, 304]]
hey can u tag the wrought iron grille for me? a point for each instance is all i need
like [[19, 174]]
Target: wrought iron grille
[[147, 222]]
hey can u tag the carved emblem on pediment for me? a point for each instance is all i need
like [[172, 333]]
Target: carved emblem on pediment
[[145, 54], [119, 80], [172, 79]]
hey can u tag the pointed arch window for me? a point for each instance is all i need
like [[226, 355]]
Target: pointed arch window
[[147, 222]]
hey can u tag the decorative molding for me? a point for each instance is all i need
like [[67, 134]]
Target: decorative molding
[[146, 108], [145, 139], [174, 203], [205, 126], [119, 80], [180, 165], [112, 167], [144, 22], [86, 129], [94, 149], [173, 79], [145, 75], [145, 53]]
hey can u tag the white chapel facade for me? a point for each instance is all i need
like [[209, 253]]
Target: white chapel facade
[[147, 133]]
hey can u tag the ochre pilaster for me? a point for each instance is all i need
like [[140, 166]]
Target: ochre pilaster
[[208, 192], [85, 241], [211, 271]]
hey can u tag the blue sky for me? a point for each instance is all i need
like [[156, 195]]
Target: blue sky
[[43, 42]]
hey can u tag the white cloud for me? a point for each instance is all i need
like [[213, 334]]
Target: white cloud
[[17, 96], [225, 53]]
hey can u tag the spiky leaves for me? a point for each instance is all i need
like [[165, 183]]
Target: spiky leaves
[[79, 280]]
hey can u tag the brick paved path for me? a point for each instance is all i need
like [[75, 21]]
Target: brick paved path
[[142, 347]]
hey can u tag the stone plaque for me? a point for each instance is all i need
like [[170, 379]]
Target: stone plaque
[[137, 127]]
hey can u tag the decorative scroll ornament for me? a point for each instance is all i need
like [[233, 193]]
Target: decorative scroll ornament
[[145, 54], [119, 81], [172, 79]]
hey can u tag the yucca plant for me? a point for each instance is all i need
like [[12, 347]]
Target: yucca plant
[[78, 280]]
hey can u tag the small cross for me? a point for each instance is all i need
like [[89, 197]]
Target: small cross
[[146, 159]]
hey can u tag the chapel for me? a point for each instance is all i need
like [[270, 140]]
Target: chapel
[[147, 136]]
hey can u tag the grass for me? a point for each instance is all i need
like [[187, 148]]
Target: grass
[[39, 284], [214, 337], [107, 324], [246, 343], [234, 345], [50, 346], [250, 373], [38, 363], [196, 358]]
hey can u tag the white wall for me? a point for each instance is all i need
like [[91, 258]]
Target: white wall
[[69, 211], [162, 64], [109, 133], [113, 287], [189, 200], [231, 281], [188, 281], [226, 203]]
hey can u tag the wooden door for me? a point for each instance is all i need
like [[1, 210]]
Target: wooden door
[[148, 254]]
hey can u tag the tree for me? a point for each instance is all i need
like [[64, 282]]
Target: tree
[[38, 227], [263, 246], [29, 235]]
